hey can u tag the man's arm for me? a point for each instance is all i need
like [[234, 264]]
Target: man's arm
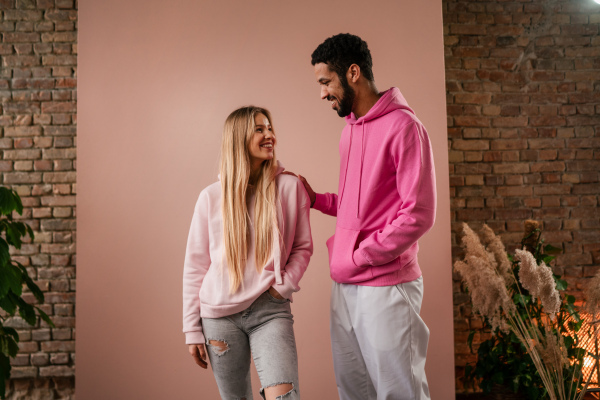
[[326, 202]]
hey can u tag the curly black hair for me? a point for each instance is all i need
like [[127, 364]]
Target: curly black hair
[[341, 51]]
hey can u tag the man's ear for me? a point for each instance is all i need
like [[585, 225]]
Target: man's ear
[[353, 73]]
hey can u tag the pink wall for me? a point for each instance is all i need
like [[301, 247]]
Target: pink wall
[[156, 81]]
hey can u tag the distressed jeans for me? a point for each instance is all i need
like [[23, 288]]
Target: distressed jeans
[[379, 341], [263, 330]]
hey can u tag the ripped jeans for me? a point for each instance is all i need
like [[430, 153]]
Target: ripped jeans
[[265, 330]]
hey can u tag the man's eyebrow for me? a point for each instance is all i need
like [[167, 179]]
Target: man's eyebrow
[[323, 80]]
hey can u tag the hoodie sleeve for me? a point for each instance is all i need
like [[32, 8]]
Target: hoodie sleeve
[[302, 246], [415, 182], [196, 264], [326, 203]]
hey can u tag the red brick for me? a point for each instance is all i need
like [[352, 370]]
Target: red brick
[[470, 52], [511, 168], [22, 177], [513, 213], [22, 15], [548, 166], [59, 36], [21, 37], [547, 121], [474, 214], [468, 98], [22, 154], [64, 4], [58, 107], [470, 144], [20, 61], [64, 26], [472, 121], [61, 15]]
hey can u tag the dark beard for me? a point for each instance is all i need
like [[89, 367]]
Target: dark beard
[[347, 99]]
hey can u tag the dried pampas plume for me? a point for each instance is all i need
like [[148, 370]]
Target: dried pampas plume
[[486, 286], [552, 349], [495, 245], [538, 280]]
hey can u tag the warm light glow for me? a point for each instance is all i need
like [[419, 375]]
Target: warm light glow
[[590, 343]]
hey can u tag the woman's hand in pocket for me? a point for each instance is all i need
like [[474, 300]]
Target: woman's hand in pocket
[[273, 292]]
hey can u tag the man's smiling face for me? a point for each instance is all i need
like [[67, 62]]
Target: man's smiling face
[[335, 90]]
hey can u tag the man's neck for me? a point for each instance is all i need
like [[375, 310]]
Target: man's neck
[[365, 100]]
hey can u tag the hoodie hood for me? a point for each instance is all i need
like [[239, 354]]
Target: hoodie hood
[[389, 101]]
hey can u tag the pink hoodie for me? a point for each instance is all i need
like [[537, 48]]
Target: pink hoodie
[[387, 196], [205, 273]]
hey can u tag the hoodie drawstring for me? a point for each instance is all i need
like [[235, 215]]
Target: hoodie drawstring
[[362, 159], [346, 170]]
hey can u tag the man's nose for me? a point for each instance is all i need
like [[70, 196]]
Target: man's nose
[[324, 93]]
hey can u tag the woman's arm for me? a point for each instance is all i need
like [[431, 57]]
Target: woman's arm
[[302, 247], [197, 262]]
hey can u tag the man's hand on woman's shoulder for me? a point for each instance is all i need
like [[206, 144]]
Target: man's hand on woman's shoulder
[[309, 190]]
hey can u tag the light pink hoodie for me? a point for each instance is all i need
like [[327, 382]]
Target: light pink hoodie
[[387, 196], [205, 273]]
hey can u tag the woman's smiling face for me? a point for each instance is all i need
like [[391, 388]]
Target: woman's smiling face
[[262, 143]]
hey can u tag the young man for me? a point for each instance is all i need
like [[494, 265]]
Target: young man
[[386, 201]]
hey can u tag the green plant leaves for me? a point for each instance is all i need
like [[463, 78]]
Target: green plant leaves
[[39, 296], [4, 373], [9, 202], [11, 280], [26, 311], [13, 277], [561, 284], [470, 340], [549, 249], [8, 346], [45, 317], [4, 254]]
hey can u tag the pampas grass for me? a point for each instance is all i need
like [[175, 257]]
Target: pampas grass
[[490, 276]]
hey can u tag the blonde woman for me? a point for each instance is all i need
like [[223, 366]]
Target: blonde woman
[[249, 245]]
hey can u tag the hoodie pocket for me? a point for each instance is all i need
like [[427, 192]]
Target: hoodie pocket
[[341, 248]]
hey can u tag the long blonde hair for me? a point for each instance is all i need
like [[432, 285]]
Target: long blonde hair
[[235, 174]]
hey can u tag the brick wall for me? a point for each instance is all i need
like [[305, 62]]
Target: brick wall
[[523, 94], [523, 98], [38, 69]]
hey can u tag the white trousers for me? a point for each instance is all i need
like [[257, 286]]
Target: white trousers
[[379, 341]]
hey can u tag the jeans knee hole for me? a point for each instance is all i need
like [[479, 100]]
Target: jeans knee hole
[[219, 347]]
